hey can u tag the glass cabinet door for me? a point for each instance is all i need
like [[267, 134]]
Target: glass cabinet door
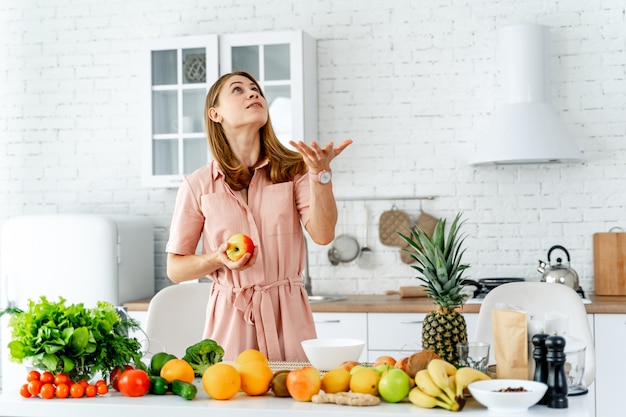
[[277, 61], [181, 72]]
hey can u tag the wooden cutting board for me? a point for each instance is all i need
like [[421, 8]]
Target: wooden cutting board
[[609, 263]]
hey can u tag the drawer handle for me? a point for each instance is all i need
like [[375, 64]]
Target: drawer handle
[[412, 322], [328, 321]]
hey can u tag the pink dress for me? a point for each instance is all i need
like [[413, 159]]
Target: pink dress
[[264, 307]]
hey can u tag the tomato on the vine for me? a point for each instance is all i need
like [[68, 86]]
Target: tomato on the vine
[[63, 390], [102, 389], [47, 377], [77, 390], [34, 387], [61, 379], [47, 391], [33, 375], [91, 391], [115, 374], [24, 391], [134, 383]]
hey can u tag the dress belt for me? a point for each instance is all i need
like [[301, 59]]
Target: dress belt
[[256, 304]]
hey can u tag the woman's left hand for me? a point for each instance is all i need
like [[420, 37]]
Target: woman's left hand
[[316, 157]]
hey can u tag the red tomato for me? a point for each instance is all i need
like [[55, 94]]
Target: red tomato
[[34, 387], [91, 391], [33, 375], [134, 383], [77, 390], [24, 391], [63, 390], [115, 374], [47, 377], [47, 391], [61, 379]]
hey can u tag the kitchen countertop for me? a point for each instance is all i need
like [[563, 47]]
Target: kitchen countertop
[[376, 303], [245, 406]]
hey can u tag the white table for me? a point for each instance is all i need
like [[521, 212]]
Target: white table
[[114, 404]]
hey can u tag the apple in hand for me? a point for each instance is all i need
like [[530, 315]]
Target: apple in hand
[[239, 245]]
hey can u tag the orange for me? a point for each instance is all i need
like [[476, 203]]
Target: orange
[[250, 355], [221, 381], [256, 377], [337, 380], [177, 369]]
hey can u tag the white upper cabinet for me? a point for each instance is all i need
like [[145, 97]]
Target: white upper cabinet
[[180, 72]]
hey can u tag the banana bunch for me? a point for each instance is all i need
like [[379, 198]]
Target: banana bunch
[[442, 385]]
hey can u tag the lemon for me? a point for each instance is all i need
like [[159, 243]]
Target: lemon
[[337, 380], [365, 381]]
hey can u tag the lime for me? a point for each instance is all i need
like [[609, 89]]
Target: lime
[[158, 360]]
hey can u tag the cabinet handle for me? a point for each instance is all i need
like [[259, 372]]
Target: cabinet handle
[[328, 321], [412, 322]]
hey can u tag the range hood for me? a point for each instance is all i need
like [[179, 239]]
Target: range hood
[[525, 128]]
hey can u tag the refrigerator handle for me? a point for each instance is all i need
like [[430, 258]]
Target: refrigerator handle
[[7, 303]]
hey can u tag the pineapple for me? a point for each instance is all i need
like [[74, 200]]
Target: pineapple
[[439, 261]]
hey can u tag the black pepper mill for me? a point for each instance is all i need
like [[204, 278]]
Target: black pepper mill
[[541, 364], [557, 384]]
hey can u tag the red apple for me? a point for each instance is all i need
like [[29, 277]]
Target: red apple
[[239, 245], [304, 383]]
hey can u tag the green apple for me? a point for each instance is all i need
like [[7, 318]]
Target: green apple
[[356, 368], [381, 369], [394, 385], [239, 245]]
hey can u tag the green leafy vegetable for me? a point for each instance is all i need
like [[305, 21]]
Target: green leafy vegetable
[[203, 354], [73, 339]]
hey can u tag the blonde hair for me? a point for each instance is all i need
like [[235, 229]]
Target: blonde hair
[[284, 164]]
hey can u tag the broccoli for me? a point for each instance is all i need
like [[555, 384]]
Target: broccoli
[[203, 354]]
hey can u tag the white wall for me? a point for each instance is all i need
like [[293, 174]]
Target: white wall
[[412, 82]]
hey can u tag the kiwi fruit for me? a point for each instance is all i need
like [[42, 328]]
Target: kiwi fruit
[[279, 384]]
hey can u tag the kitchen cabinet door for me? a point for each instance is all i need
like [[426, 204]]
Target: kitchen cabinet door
[[342, 325], [285, 65], [610, 338], [181, 70]]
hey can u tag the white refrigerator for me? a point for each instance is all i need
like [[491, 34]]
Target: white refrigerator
[[84, 258]]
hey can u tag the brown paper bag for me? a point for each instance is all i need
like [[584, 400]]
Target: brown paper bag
[[510, 344]]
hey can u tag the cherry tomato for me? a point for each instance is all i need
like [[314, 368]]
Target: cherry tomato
[[63, 390], [33, 375], [102, 389], [134, 383], [77, 390], [24, 391], [47, 391], [100, 382], [91, 391], [61, 379], [34, 387], [84, 383], [47, 377]]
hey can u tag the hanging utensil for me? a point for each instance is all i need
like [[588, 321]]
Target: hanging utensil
[[366, 257], [344, 248]]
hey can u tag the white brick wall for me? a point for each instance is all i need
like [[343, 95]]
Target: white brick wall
[[413, 83]]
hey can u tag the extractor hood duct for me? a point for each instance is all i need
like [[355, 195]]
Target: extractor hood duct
[[525, 128]]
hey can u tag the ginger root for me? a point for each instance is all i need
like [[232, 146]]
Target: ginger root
[[346, 398]]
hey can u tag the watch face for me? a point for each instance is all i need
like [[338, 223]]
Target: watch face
[[325, 177]]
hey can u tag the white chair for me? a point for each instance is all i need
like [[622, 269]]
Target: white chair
[[536, 299], [176, 316]]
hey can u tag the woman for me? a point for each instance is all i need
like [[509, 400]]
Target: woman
[[258, 187]]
